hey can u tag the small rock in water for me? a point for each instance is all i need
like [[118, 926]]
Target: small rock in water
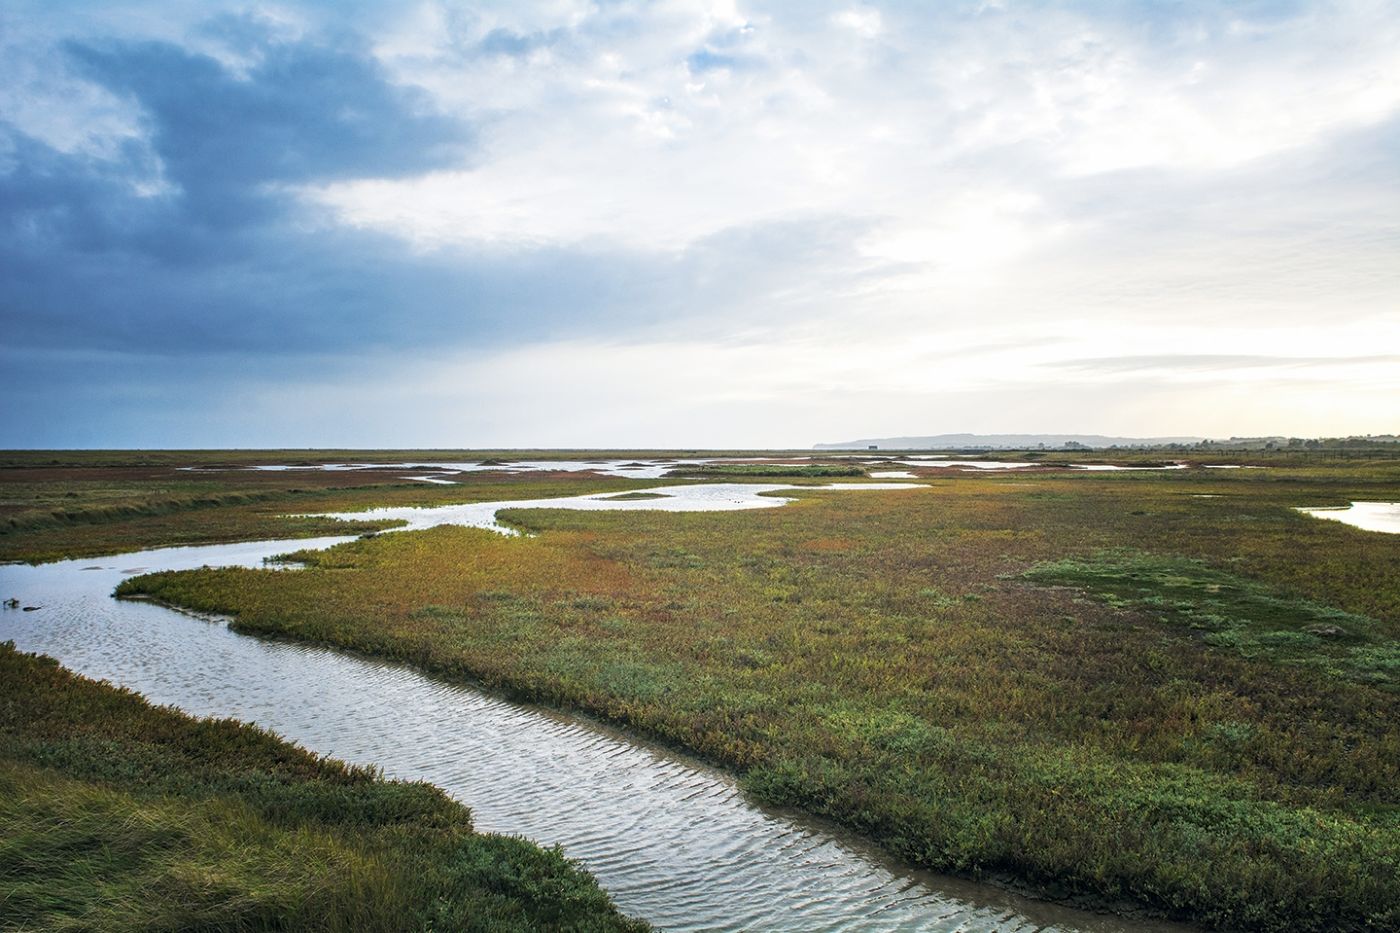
[[1325, 630]]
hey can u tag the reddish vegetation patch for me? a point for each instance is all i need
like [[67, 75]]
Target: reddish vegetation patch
[[882, 659]]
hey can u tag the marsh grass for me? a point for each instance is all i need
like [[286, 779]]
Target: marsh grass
[[1252, 618], [881, 658], [762, 470], [91, 515], [117, 815]]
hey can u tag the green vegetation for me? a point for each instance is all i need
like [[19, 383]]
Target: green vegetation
[[46, 514], [73, 522], [1156, 726], [1103, 684], [117, 815], [761, 470], [1256, 620]]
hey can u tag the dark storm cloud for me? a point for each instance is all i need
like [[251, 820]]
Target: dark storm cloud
[[190, 240], [862, 197], [303, 112]]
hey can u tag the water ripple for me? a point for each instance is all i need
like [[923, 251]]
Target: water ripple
[[673, 841]]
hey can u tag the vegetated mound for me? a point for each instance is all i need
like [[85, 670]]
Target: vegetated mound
[[120, 815], [1257, 621]]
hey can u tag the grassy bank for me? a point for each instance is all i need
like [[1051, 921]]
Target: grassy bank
[[47, 514], [1256, 620], [1099, 684], [117, 815]]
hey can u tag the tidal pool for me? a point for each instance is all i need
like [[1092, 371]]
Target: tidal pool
[[1017, 465], [636, 469], [966, 464], [439, 479], [1115, 468], [673, 841], [440, 471], [700, 497], [1368, 516]]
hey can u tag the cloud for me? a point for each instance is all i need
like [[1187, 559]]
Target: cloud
[[92, 262], [874, 211], [185, 238], [187, 241], [300, 112], [192, 239], [1214, 362], [501, 41]]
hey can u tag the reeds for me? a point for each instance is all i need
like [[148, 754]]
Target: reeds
[[117, 815]]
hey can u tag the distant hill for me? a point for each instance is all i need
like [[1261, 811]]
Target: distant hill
[[1003, 442]]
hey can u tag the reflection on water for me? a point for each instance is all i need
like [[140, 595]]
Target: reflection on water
[[1116, 468], [1021, 465], [636, 469], [657, 468], [966, 464], [705, 497], [1368, 516], [673, 841], [436, 478]]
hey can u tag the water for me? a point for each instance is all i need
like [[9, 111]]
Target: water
[[1016, 465], [1368, 516], [966, 464], [703, 497], [438, 471], [1115, 468], [635, 469], [673, 841], [439, 479]]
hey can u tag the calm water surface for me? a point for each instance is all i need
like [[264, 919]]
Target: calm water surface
[[673, 841], [1368, 516], [442, 471], [706, 497]]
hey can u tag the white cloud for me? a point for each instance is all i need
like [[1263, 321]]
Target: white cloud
[[804, 389], [607, 135], [1194, 188], [865, 22]]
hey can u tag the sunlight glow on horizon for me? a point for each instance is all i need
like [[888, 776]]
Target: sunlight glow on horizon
[[562, 224]]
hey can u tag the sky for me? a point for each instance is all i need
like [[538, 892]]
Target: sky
[[695, 224]]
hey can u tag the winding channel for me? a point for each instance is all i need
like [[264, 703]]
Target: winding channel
[[672, 840], [1368, 516]]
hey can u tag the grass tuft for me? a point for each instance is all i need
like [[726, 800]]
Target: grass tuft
[[117, 815]]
